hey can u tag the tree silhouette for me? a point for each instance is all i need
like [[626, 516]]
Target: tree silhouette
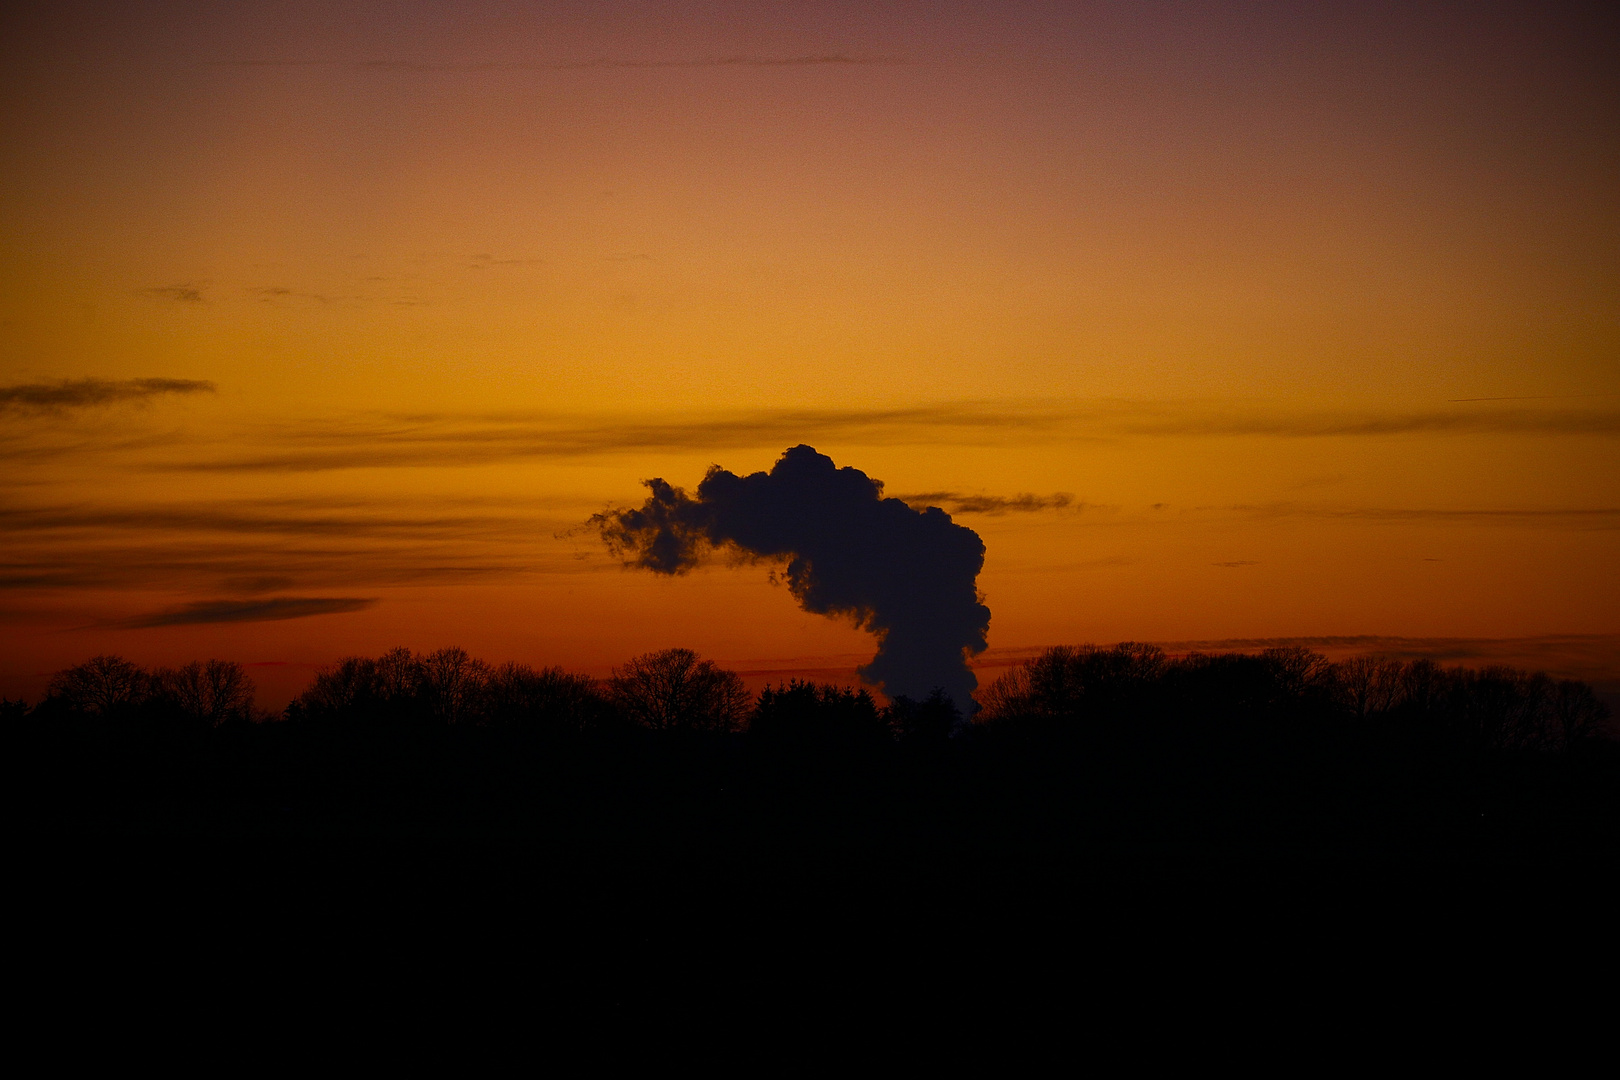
[[102, 685], [517, 695], [809, 717], [674, 690], [452, 685], [1069, 681], [1577, 712], [1300, 673], [930, 720], [1107, 748], [1369, 685], [210, 692], [397, 675], [347, 690]]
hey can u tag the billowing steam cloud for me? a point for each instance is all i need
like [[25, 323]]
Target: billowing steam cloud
[[906, 575]]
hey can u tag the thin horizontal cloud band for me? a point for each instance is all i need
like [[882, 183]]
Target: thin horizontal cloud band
[[277, 518], [202, 573], [269, 521], [1603, 517], [956, 502], [115, 563], [108, 559], [1459, 646], [85, 393], [273, 609], [447, 440]]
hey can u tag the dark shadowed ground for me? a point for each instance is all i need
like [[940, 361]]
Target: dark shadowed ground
[[1111, 811]]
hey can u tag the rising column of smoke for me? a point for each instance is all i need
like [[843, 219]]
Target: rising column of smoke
[[908, 576]]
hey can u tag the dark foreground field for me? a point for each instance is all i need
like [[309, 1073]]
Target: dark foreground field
[[1112, 807]]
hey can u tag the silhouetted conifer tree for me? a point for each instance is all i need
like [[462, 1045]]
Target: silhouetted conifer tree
[[812, 718]]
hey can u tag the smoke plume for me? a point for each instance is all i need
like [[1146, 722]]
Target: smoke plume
[[906, 575]]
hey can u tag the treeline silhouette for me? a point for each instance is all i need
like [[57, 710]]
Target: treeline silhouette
[[1079, 749], [1494, 708]]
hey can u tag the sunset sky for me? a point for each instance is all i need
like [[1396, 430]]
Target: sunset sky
[[325, 327]]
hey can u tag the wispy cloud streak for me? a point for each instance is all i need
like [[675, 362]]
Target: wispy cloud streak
[[450, 440], [84, 393], [453, 440], [1601, 517], [293, 542], [408, 441], [277, 518], [188, 294], [1331, 425], [954, 502], [238, 611], [116, 566]]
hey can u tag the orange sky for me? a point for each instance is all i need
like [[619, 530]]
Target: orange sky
[[1311, 313]]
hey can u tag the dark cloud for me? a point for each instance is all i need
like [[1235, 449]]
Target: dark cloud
[[84, 393], [235, 611], [906, 575], [953, 502]]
